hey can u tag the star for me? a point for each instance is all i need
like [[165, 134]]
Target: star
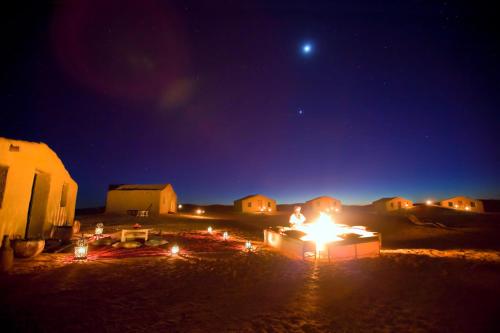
[[300, 112], [307, 48]]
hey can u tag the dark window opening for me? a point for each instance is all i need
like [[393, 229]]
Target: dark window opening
[[3, 182], [13, 148], [64, 195]]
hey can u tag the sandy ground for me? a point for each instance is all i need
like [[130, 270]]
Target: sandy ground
[[407, 289]]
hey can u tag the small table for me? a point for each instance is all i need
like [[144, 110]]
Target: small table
[[136, 233]]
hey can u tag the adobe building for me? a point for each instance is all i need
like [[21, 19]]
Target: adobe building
[[324, 204], [463, 203], [256, 203], [36, 191], [392, 204], [154, 198]]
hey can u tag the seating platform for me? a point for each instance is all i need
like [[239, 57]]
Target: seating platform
[[134, 233]]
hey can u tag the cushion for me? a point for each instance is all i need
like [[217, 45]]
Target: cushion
[[128, 245]]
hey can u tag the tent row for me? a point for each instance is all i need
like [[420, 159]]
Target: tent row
[[37, 194], [258, 203], [161, 199], [461, 203]]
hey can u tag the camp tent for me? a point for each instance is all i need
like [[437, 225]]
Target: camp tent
[[392, 204], [463, 203], [36, 191], [154, 198], [324, 204], [256, 203]]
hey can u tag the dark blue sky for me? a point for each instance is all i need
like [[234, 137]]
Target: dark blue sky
[[397, 97]]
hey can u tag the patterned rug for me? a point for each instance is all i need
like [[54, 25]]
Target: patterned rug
[[188, 242]]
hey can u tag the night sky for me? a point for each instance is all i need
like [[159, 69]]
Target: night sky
[[357, 100]]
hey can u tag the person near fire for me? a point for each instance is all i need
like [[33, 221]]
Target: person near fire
[[297, 218]]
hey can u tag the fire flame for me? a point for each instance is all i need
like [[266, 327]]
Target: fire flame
[[324, 230]]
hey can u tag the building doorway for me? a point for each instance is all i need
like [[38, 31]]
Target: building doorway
[[173, 205], [38, 205]]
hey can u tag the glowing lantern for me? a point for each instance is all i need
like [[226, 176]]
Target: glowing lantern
[[81, 249], [428, 202], [248, 245], [210, 230], [199, 211], [467, 208], [99, 229], [456, 206], [175, 249], [179, 206], [269, 209], [225, 236]]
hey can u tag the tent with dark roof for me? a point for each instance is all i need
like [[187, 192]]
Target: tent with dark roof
[[323, 204], [392, 204], [255, 203], [154, 198]]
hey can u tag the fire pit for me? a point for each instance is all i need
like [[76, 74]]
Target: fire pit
[[324, 240]]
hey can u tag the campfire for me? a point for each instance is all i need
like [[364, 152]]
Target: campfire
[[324, 239]]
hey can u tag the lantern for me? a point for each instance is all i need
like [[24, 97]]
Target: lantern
[[180, 206], [248, 245], [99, 228], [81, 249], [210, 230], [175, 249], [225, 236], [467, 208]]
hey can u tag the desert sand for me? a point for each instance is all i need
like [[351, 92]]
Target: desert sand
[[426, 280]]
